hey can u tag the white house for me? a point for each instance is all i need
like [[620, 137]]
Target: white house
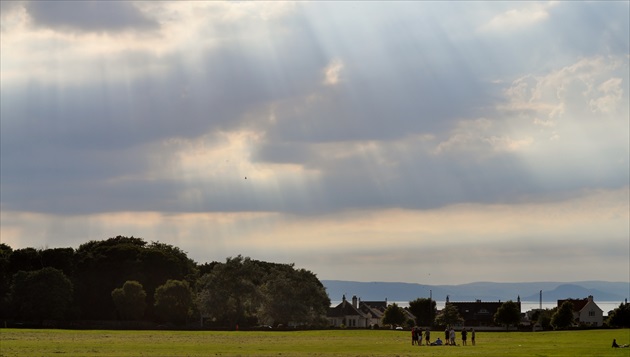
[[586, 311], [356, 314]]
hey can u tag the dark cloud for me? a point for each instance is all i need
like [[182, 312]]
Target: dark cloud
[[89, 16], [90, 146], [7, 6], [606, 32]]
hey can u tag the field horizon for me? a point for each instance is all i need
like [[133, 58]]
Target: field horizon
[[108, 343]]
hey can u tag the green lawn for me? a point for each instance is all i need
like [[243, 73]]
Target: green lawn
[[32, 343]]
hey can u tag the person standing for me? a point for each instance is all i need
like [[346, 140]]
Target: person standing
[[464, 336], [419, 331], [446, 336], [452, 333], [427, 337], [472, 337], [414, 336]]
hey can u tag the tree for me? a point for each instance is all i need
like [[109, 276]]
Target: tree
[[620, 317], [449, 316], [43, 294], [295, 296], [543, 317], [174, 301], [102, 266], [159, 262], [130, 300], [244, 291], [563, 317], [394, 315], [508, 314], [227, 294], [5, 280], [58, 258], [26, 259], [424, 310]]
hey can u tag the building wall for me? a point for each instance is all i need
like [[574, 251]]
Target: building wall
[[349, 321], [591, 314]]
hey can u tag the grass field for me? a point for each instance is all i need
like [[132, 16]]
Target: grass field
[[33, 343]]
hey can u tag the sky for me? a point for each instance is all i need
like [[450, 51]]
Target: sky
[[421, 142]]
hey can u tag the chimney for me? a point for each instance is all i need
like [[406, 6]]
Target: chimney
[[354, 301], [590, 298]]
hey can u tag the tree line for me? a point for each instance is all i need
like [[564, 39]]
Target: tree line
[[508, 314], [426, 314], [130, 279]]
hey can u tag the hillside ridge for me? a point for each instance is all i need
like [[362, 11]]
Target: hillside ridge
[[486, 291]]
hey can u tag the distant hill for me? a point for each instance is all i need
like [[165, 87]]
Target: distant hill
[[486, 291], [572, 291]]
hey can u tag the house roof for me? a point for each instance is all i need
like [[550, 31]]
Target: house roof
[[380, 305], [478, 310], [578, 304], [374, 309], [344, 309]]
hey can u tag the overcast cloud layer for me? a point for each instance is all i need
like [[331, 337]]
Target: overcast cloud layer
[[429, 142]]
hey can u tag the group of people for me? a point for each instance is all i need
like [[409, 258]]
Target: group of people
[[416, 336], [449, 337]]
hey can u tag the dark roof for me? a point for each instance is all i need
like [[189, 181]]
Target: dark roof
[[474, 312], [381, 305], [373, 311], [578, 304], [343, 309]]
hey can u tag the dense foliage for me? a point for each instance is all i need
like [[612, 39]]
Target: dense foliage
[[508, 314], [563, 317], [424, 310], [174, 302], [130, 300], [620, 317], [449, 316], [126, 278], [41, 294], [543, 317], [242, 291], [394, 315]]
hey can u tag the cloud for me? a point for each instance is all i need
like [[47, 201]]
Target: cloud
[[91, 16], [611, 96], [374, 245], [527, 14], [350, 133], [332, 72]]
